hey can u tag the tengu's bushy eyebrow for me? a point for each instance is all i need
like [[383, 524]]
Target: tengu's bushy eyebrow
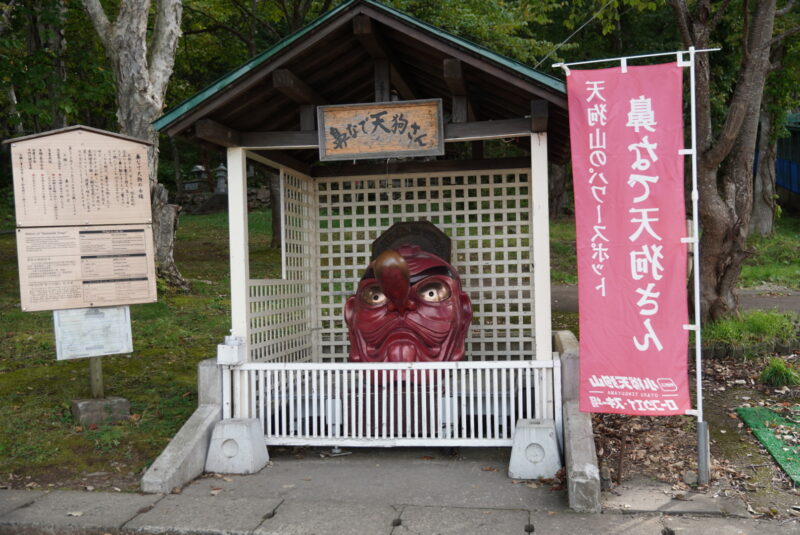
[[436, 270]]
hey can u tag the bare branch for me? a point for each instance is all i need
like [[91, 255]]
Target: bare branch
[[788, 33], [684, 21], [99, 21], [5, 19], [785, 9], [218, 25], [165, 40], [266, 24], [718, 15]]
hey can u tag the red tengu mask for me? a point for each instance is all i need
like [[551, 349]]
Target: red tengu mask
[[409, 307]]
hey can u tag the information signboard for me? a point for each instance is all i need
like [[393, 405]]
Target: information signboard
[[80, 176], [92, 332], [87, 266]]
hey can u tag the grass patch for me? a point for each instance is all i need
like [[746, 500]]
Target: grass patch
[[753, 331], [779, 373], [563, 257], [776, 256]]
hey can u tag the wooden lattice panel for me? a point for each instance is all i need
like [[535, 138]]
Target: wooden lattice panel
[[488, 218], [282, 312]]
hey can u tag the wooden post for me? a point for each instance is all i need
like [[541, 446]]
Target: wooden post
[[541, 246], [239, 252], [96, 377]]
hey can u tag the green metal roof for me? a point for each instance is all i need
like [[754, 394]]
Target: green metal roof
[[226, 80]]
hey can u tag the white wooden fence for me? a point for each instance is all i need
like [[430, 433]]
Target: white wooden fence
[[297, 380], [408, 404]]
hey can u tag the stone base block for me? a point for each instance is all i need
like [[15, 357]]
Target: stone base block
[[237, 447], [534, 453], [100, 411]]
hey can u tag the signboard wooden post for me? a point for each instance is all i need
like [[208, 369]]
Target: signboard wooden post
[[381, 130], [84, 234]]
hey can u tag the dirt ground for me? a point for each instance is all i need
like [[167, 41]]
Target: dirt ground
[[664, 448]]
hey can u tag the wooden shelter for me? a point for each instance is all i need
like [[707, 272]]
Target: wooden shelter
[[285, 361]]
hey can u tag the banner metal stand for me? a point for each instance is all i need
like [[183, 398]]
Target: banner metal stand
[[703, 451]]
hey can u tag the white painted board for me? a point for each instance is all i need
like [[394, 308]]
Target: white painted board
[[92, 332], [93, 266]]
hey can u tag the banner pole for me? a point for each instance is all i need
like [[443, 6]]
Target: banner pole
[[703, 453]]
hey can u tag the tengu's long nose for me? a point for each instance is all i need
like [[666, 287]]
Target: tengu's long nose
[[391, 270]]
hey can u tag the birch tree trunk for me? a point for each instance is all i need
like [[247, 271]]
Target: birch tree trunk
[[725, 160], [142, 70]]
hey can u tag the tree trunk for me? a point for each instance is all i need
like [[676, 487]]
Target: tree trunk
[[142, 70], [725, 161], [557, 185], [276, 203], [764, 181]]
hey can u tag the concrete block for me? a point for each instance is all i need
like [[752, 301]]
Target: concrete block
[[237, 447], [565, 343], [185, 456], [209, 383], [583, 475], [100, 411], [204, 514], [534, 453]]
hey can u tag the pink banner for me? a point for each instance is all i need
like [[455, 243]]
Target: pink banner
[[626, 134]]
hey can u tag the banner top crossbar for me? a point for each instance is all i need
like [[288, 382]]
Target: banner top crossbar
[[624, 59]]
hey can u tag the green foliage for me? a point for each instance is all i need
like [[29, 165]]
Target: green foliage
[[779, 373], [512, 28], [753, 331]]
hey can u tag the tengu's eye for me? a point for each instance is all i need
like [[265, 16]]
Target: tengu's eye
[[372, 295], [433, 291]]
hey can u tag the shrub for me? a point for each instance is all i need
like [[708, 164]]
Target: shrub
[[779, 373]]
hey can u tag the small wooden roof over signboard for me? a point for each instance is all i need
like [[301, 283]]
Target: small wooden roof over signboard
[[75, 128], [333, 61]]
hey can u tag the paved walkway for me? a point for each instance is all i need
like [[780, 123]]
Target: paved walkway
[[376, 491], [565, 299]]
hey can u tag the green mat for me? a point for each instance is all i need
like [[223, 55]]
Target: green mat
[[769, 427]]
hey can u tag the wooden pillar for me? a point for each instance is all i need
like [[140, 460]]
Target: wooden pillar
[[541, 246], [239, 249]]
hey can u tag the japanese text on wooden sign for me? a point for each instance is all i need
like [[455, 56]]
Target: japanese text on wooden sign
[[84, 234], [381, 130], [80, 177], [626, 134]]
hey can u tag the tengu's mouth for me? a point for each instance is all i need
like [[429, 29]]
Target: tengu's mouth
[[403, 345]]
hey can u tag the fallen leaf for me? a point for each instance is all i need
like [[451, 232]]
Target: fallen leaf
[[427, 458], [135, 417], [215, 491], [489, 469]]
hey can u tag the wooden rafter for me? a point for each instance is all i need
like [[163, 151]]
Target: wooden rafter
[[376, 47]]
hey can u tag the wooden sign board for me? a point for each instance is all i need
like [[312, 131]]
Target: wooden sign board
[[80, 176], [88, 266], [381, 130], [92, 332]]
